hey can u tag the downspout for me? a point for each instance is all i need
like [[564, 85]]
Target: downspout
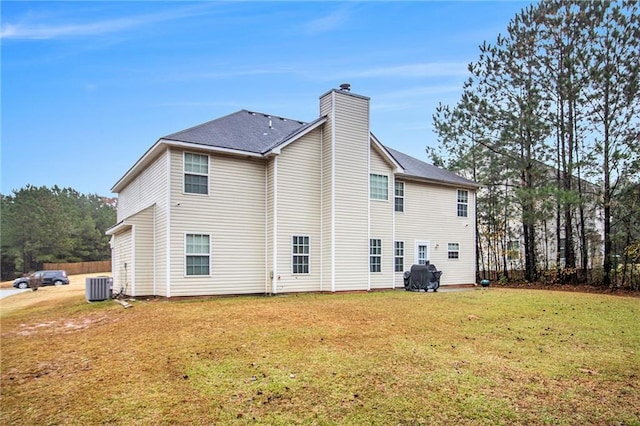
[[155, 206], [266, 227], [274, 276], [369, 213], [393, 235], [133, 260], [321, 208], [168, 237]]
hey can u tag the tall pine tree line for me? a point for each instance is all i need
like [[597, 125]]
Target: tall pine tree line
[[549, 124], [41, 224]]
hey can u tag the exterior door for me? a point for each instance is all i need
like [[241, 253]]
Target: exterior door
[[422, 252]]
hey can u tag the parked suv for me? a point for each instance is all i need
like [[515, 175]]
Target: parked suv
[[42, 278]]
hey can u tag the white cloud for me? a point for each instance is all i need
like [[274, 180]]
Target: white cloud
[[39, 31], [330, 22]]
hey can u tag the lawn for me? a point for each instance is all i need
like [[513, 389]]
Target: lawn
[[499, 356]]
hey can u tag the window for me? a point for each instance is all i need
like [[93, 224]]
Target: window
[[300, 254], [379, 187], [513, 250], [463, 203], [399, 200], [197, 253], [561, 249], [399, 256], [196, 173], [375, 255], [453, 251]]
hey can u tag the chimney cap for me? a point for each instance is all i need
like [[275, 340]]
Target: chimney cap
[[345, 87]]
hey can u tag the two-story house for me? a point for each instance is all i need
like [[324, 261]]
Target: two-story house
[[256, 203]]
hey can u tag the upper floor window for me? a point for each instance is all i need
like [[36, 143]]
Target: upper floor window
[[513, 250], [379, 187], [196, 173], [562, 248], [399, 199], [197, 254], [463, 203], [375, 255], [300, 254]]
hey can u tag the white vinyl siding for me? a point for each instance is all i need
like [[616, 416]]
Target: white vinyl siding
[[142, 264], [236, 225], [197, 254], [196, 173], [429, 220], [122, 256], [351, 187], [147, 188], [379, 187], [381, 219], [299, 213], [144, 203]]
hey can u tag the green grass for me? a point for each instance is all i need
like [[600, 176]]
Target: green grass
[[500, 356]]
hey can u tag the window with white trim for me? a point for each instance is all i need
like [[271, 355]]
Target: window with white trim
[[513, 250], [562, 252], [399, 196], [375, 255], [197, 254], [300, 254], [453, 250], [196, 173], [463, 203], [399, 256], [379, 187]]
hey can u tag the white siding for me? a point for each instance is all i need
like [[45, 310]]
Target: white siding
[[351, 192], [430, 214], [381, 224], [327, 195], [142, 264], [122, 268], [345, 201], [233, 214], [149, 188], [299, 212]]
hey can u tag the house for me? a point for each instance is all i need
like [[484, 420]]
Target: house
[[256, 203], [501, 234]]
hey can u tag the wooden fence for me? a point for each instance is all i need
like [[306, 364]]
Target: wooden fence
[[80, 267]]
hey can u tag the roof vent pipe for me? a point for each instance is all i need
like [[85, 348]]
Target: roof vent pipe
[[345, 87]]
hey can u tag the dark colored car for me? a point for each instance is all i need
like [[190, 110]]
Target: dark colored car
[[42, 278]]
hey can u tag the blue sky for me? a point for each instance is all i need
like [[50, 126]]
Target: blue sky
[[88, 87]]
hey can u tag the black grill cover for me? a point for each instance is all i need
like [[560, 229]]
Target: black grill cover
[[422, 277]]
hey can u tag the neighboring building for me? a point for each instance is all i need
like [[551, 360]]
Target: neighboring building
[[503, 245], [256, 203]]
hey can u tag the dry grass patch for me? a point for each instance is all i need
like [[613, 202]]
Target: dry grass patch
[[477, 357]]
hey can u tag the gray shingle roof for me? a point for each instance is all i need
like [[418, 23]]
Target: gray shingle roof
[[417, 168], [243, 130], [258, 133]]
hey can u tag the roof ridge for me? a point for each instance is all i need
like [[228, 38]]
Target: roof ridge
[[203, 124]]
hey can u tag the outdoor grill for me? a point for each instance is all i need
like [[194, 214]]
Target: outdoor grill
[[422, 277]]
